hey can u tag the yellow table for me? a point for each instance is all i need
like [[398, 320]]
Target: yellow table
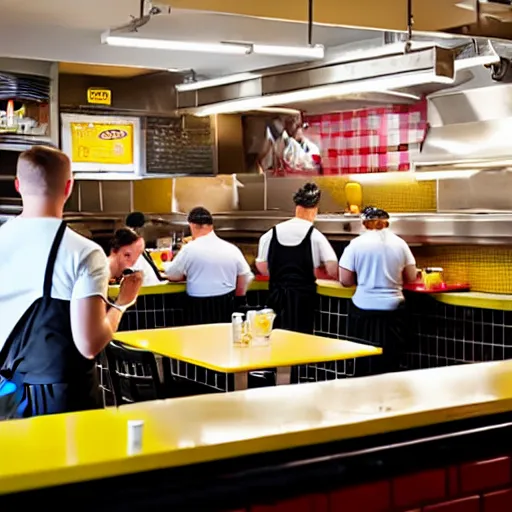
[[211, 347]]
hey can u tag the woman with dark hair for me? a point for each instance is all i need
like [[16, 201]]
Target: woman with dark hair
[[289, 254], [125, 249]]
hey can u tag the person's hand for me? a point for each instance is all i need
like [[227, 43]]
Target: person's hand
[[129, 289]]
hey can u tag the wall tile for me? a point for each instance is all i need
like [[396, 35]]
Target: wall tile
[[372, 497], [471, 504], [479, 476], [498, 501], [419, 488]]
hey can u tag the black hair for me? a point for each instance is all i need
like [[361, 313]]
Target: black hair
[[373, 213], [122, 238], [135, 220], [308, 196], [200, 216]]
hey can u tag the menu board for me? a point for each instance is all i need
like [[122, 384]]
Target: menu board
[[101, 143]]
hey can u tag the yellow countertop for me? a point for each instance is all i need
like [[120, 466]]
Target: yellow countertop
[[211, 346], [334, 289], [68, 448]]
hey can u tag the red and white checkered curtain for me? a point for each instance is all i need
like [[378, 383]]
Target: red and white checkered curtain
[[369, 140]]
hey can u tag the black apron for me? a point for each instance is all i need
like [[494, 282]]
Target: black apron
[[210, 310], [41, 358], [292, 284], [149, 259], [384, 329]]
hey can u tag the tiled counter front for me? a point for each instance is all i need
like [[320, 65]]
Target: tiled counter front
[[438, 334]]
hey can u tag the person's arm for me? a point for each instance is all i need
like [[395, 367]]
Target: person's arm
[[347, 271], [93, 327], [175, 270], [261, 259], [325, 255], [410, 273], [244, 275]]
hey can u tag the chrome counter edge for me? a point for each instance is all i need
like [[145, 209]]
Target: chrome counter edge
[[334, 289]]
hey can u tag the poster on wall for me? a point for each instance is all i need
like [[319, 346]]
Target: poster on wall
[[102, 143]]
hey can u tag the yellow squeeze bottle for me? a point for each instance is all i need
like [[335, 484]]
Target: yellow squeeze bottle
[[354, 195]]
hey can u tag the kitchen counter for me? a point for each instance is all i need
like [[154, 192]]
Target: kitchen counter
[[334, 289], [67, 448]]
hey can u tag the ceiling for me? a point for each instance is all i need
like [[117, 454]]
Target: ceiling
[[70, 30]]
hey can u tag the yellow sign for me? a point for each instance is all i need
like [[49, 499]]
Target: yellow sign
[[102, 143], [99, 96]]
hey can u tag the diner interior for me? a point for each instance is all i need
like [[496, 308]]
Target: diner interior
[[406, 107]]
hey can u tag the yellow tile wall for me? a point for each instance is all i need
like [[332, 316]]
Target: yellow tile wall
[[486, 268], [402, 195], [153, 195]]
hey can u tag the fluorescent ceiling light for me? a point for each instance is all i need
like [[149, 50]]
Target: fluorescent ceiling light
[[322, 92], [444, 175], [310, 52], [183, 46], [214, 82]]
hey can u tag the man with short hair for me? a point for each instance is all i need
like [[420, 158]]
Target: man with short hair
[[216, 271], [53, 286]]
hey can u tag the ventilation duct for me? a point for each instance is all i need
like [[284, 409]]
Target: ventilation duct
[[424, 69], [469, 131]]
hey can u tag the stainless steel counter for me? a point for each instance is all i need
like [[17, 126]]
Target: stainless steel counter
[[415, 228], [452, 228]]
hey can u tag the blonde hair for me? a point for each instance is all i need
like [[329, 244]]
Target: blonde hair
[[43, 171]]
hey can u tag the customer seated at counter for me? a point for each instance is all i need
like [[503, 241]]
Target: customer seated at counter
[[289, 254], [53, 296], [126, 248], [216, 272], [378, 262], [145, 264]]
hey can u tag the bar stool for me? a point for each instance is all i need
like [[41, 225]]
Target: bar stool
[[134, 374]]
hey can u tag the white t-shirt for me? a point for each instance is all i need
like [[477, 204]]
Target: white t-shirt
[[378, 257], [150, 278], [291, 233], [81, 269], [211, 266]]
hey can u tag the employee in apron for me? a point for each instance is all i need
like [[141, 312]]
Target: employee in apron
[[216, 272], [378, 262], [289, 254], [145, 264], [53, 302]]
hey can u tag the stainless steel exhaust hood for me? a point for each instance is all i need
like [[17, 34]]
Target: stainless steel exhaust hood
[[424, 69], [469, 131]]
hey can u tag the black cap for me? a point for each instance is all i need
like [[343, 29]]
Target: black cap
[[135, 220], [372, 213], [200, 216], [308, 196]]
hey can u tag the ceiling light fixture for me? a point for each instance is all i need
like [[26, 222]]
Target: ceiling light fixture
[[184, 46], [326, 91], [309, 52]]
